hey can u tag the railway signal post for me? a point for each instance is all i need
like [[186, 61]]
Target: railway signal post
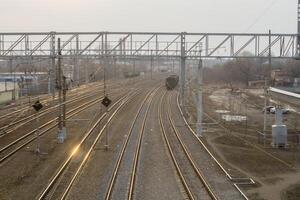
[[106, 102], [37, 106]]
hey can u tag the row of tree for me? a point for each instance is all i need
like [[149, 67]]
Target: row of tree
[[241, 71]]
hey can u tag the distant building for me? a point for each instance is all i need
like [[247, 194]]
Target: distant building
[[256, 84], [280, 77]]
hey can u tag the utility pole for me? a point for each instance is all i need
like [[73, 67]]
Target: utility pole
[[12, 74], [173, 65], [61, 128], [86, 70], [104, 90], [270, 53], [52, 67], [265, 110], [182, 71], [49, 79], [76, 62], [151, 64], [115, 66], [65, 88], [199, 99], [266, 88]]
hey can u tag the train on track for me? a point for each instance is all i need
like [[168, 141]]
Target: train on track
[[172, 82]]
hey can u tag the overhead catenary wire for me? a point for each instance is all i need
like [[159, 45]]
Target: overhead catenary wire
[[263, 13]]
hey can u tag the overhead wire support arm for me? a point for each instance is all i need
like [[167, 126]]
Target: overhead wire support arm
[[196, 43], [68, 41], [39, 45], [20, 39], [144, 44], [244, 46], [271, 44], [118, 45], [166, 48], [91, 43], [215, 49]]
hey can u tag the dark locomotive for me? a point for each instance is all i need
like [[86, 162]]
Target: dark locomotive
[[171, 82]]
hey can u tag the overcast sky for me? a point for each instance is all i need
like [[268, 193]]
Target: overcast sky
[[149, 15]]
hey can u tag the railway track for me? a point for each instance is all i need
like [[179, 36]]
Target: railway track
[[186, 167], [13, 126], [44, 100], [17, 123], [137, 144], [15, 119], [237, 181], [70, 170], [16, 145]]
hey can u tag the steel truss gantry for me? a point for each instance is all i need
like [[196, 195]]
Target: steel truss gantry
[[146, 45], [141, 44]]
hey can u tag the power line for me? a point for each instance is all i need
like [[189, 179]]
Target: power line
[[264, 12]]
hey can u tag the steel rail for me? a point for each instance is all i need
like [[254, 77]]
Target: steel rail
[[67, 190], [47, 99], [200, 175], [122, 152], [138, 148], [178, 170], [92, 102], [250, 180], [54, 179], [72, 113], [9, 128]]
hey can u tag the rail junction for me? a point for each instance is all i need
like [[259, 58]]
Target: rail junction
[[141, 146]]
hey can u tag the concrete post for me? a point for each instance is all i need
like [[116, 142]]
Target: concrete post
[[151, 64], [52, 67], [265, 111], [10, 64], [199, 99], [76, 65], [182, 70], [61, 133], [64, 110]]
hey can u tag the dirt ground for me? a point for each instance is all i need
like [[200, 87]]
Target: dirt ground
[[275, 171]]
